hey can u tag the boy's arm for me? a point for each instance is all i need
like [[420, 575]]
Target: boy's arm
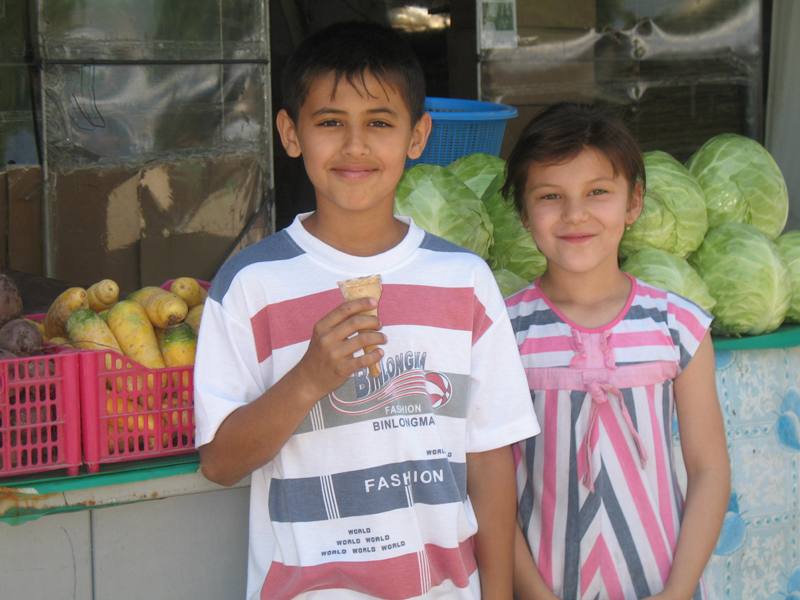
[[706, 457], [253, 434], [528, 582], [492, 491]]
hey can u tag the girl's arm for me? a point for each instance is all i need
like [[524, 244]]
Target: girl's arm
[[492, 491], [528, 583], [705, 454]]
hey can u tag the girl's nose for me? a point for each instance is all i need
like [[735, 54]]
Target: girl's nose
[[574, 210]]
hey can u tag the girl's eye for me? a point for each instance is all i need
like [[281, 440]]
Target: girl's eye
[[598, 192], [550, 196]]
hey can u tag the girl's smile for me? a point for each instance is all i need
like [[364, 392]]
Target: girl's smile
[[577, 211]]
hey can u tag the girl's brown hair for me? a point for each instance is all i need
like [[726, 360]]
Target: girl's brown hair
[[561, 132]]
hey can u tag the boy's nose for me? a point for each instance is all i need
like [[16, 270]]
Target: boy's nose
[[355, 143]]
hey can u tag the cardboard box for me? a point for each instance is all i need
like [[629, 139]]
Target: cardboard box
[[143, 225], [24, 227]]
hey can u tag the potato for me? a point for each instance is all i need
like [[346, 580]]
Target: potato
[[21, 337], [10, 300]]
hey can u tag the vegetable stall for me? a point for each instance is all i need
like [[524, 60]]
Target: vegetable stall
[[139, 183]]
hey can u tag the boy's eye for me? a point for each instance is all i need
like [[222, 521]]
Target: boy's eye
[[598, 192], [380, 124], [329, 123]]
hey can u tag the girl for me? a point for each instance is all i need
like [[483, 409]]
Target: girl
[[607, 358]]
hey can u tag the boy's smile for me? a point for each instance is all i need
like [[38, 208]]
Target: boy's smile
[[354, 137]]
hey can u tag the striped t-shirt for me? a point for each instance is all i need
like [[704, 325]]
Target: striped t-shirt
[[599, 500], [368, 497]]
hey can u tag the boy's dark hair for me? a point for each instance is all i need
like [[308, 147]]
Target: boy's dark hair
[[560, 132], [350, 50]]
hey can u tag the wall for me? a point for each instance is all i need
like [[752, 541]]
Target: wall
[[783, 115]]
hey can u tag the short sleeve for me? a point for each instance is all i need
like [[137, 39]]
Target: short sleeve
[[227, 374], [688, 325], [500, 408]]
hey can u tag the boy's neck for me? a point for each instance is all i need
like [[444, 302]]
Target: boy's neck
[[359, 234]]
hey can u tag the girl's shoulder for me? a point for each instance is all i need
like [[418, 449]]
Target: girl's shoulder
[[683, 322], [528, 307], [672, 306]]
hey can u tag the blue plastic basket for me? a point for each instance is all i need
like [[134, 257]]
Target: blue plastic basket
[[462, 127]]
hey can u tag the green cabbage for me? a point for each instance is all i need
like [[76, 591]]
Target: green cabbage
[[674, 214], [746, 276], [482, 173], [742, 183], [513, 247], [509, 282], [669, 272], [442, 204], [789, 248]]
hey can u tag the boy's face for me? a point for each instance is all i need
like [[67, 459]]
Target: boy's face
[[354, 142]]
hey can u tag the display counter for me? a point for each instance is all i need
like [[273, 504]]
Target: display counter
[[758, 382], [155, 529], [158, 529]]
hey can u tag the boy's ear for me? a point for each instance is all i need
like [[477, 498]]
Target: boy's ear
[[635, 204], [288, 133], [419, 136]]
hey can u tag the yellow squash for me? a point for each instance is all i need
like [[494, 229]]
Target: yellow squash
[[62, 307], [134, 332], [142, 295], [88, 331], [102, 295], [189, 289], [178, 345], [194, 316]]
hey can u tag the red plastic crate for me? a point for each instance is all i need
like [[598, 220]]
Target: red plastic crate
[[130, 412], [40, 414]]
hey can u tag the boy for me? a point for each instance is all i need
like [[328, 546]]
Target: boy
[[398, 485]]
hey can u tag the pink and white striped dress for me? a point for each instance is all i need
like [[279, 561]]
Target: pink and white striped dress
[[599, 500]]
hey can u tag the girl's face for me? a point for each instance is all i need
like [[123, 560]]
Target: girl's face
[[577, 211]]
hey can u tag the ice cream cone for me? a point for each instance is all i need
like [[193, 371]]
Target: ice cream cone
[[364, 287]]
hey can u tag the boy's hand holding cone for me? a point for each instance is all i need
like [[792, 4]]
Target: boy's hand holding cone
[[364, 287]]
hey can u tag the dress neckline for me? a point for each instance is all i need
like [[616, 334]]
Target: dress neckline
[[610, 325]]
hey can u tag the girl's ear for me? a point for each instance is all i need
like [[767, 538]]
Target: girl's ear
[[419, 136], [523, 216], [635, 204], [288, 133]]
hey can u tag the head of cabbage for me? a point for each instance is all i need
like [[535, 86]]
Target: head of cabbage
[[789, 248], [513, 248], [746, 276], [443, 205], [483, 173], [667, 271], [673, 216], [508, 281], [742, 183]]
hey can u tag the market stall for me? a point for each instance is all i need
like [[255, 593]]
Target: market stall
[[125, 512]]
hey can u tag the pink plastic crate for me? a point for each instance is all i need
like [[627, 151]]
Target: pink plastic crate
[[39, 414], [130, 412]]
